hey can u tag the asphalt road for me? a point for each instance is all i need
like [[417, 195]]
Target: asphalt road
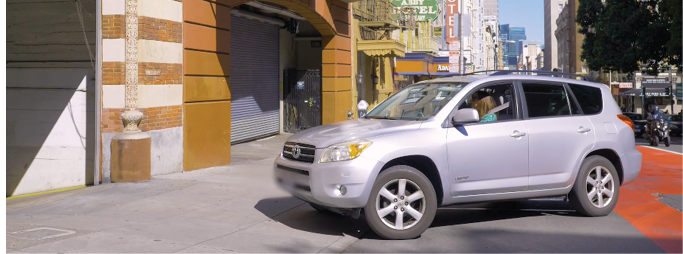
[[537, 226], [676, 144]]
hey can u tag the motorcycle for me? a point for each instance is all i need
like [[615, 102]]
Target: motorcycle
[[657, 130]]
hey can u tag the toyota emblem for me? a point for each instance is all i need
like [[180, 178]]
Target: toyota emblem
[[296, 151]]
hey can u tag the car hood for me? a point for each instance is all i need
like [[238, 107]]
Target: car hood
[[330, 134]]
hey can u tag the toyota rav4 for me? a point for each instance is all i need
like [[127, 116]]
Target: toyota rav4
[[466, 139]]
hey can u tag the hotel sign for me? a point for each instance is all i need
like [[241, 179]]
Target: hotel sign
[[426, 9]]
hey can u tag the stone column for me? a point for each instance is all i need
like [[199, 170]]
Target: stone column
[[131, 149]]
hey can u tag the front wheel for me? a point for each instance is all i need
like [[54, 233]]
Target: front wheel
[[596, 189], [667, 142], [402, 204]]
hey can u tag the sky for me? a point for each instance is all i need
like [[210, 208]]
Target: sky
[[523, 13]]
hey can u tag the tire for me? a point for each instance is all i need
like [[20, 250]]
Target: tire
[[579, 195], [390, 179], [667, 142], [655, 141]]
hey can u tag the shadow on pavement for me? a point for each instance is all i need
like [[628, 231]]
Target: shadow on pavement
[[299, 215]]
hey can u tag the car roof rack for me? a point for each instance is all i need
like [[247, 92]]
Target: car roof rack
[[467, 74], [544, 73]]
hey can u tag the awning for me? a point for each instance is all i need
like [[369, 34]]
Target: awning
[[382, 48], [649, 92]]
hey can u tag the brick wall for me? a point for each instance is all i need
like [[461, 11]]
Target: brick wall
[[113, 26], [113, 73], [154, 118], [168, 74], [160, 30]]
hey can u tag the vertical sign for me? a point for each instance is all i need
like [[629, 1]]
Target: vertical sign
[[451, 34], [452, 7]]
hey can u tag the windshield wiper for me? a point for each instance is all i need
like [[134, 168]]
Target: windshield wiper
[[380, 117]]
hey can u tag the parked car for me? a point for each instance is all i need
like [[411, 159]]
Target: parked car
[[465, 139], [639, 122], [676, 126]]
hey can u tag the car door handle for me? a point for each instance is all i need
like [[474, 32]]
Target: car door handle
[[583, 130], [517, 134]]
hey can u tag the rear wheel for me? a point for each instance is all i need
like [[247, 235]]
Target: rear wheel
[[402, 203], [596, 189]]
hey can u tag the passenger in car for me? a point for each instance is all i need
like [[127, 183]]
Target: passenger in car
[[485, 105]]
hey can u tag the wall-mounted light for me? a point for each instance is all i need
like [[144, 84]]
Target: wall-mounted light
[[375, 79]]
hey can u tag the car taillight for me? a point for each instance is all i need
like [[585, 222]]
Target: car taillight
[[627, 121]]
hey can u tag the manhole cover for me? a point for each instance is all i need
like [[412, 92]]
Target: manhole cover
[[41, 233]]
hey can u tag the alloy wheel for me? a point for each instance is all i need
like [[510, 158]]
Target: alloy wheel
[[400, 204], [600, 186]]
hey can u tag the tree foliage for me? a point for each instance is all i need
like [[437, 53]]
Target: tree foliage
[[629, 35]]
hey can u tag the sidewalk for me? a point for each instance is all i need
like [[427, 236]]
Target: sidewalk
[[236, 208]]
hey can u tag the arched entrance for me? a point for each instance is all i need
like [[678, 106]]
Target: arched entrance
[[208, 98]]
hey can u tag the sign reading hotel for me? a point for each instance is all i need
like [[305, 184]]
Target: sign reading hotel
[[426, 9], [451, 21]]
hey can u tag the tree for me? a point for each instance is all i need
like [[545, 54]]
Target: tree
[[671, 11], [625, 35]]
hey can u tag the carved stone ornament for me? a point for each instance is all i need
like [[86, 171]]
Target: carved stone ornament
[[131, 120], [131, 117]]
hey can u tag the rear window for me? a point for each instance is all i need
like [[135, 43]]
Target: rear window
[[589, 98]]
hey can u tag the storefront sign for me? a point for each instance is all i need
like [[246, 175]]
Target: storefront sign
[[438, 31], [625, 85], [426, 9], [649, 94], [442, 68], [655, 83]]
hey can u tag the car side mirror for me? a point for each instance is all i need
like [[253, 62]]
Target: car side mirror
[[362, 108], [466, 115]]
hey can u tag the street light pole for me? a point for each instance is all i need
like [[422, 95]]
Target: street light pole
[[460, 27]]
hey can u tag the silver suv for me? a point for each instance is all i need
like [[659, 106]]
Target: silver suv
[[465, 139]]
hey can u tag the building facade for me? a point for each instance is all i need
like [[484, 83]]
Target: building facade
[[551, 11], [165, 86], [569, 40]]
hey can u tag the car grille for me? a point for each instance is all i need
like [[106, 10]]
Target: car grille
[[307, 152]]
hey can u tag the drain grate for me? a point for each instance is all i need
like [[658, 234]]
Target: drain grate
[[41, 233]]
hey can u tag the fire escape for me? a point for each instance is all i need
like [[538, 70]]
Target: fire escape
[[377, 19]]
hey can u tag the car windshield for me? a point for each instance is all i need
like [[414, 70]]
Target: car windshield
[[676, 118], [418, 102]]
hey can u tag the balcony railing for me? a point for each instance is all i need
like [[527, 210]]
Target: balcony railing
[[423, 44], [383, 15]]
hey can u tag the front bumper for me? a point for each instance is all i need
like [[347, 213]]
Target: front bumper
[[319, 182]]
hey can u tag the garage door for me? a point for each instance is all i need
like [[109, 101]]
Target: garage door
[[254, 79]]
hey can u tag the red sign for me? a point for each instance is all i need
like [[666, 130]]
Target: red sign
[[452, 9]]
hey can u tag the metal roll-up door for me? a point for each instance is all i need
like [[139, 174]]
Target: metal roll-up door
[[254, 79]]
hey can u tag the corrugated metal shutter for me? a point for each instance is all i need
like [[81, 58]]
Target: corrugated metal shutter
[[254, 79]]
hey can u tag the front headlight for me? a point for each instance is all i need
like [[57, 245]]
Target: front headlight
[[344, 151]]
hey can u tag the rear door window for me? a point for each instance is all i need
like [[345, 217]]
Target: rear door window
[[548, 100], [589, 98]]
